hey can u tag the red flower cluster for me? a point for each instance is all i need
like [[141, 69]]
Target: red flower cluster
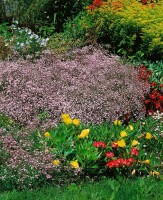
[[145, 2], [96, 4], [120, 162], [153, 84], [109, 154], [154, 102], [91, 7], [99, 144], [134, 152], [114, 145], [144, 73]]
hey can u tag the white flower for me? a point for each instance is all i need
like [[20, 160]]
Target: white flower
[[29, 32], [36, 36], [15, 22], [22, 45]]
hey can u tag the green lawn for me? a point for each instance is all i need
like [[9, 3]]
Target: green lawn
[[138, 189]]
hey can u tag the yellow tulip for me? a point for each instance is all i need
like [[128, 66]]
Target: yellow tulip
[[121, 143], [67, 121], [47, 135], [134, 143], [56, 162], [146, 162], [156, 173], [130, 127], [64, 116], [74, 164], [84, 133], [117, 122], [123, 134], [76, 122], [148, 136]]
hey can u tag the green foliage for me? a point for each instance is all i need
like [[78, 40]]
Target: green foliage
[[62, 42], [71, 142], [105, 189], [157, 71], [11, 9], [39, 13], [20, 41], [5, 50], [69, 10], [132, 29], [6, 123], [155, 67], [36, 13]]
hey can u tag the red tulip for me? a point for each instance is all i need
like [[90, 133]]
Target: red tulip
[[109, 154], [99, 144]]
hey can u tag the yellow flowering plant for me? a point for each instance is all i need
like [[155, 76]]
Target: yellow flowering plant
[[71, 141], [84, 133], [134, 30], [74, 164], [56, 162], [128, 149]]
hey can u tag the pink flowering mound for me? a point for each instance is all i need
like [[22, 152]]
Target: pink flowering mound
[[86, 83]]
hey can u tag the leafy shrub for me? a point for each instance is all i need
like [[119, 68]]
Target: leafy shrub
[[12, 9], [157, 71], [62, 42], [69, 10], [131, 28], [5, 49], [36, 13], [20, 41]]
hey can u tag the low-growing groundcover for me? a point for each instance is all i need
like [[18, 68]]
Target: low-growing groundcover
[[138, 189]]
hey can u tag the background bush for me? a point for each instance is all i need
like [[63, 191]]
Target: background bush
[[36, 13], [132, 29]]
